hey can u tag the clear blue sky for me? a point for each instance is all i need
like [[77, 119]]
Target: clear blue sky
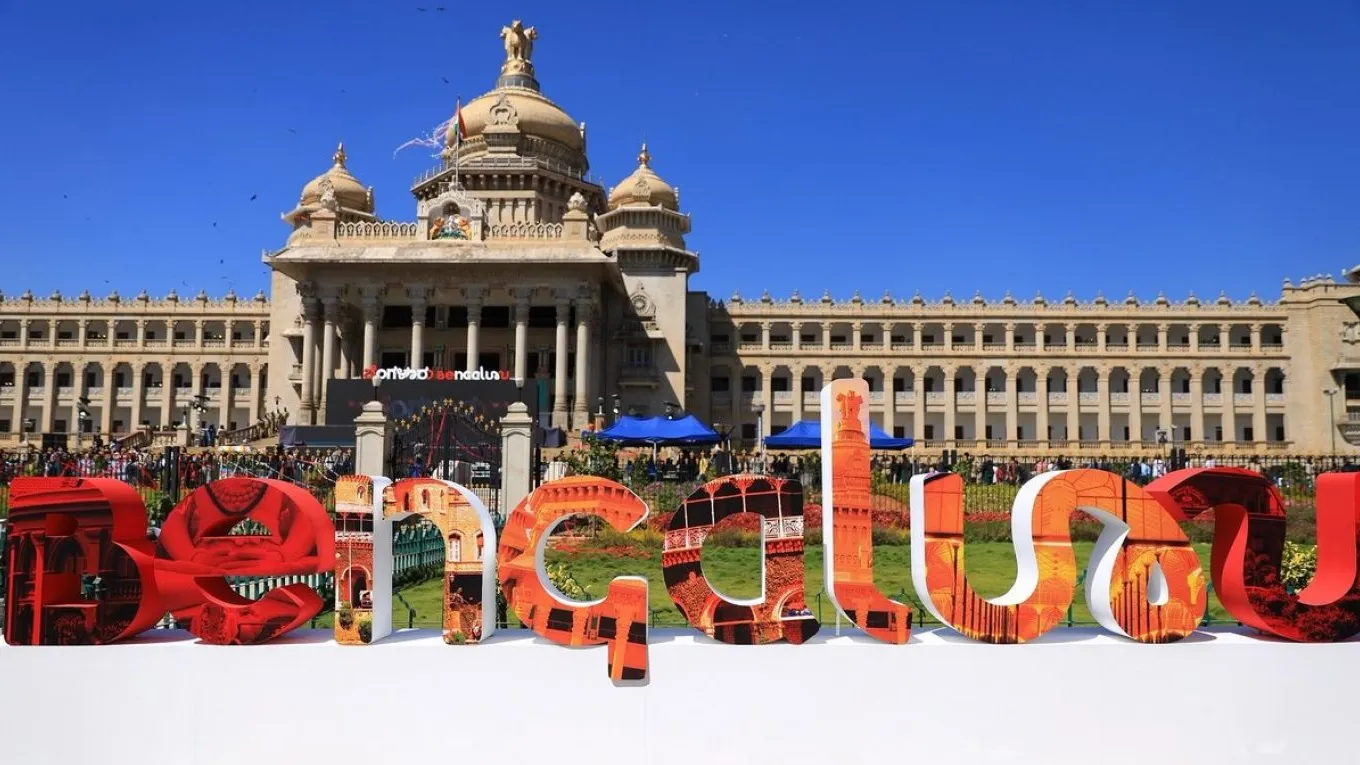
[[1039, 145]]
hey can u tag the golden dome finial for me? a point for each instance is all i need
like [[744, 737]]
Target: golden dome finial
[[644, 156], [339, 156]]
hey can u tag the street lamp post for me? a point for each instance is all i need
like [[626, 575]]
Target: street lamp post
[[1331, 414]]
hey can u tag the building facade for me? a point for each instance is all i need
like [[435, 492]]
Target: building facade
[[518, 259]]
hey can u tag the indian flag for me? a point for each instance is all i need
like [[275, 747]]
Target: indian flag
[[456, 127]]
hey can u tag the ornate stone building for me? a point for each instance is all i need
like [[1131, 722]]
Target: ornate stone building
[[518, 259]]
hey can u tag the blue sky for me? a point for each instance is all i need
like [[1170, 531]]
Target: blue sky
[[962, 146]]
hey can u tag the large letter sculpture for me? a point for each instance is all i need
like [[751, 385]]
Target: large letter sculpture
[[80, 563], [847, 515], [1047, 569], [781, 613], [620, 618], [466, 527], [363, 561], [1249, 536], [1144, 580], [292, 536]]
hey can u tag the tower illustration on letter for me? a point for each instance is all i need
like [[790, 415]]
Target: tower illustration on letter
[[847, 516]]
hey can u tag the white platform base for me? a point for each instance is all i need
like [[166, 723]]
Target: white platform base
[[1078, 696]]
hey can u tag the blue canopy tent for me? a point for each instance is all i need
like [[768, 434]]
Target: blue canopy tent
[[807, 434], [660, 431]]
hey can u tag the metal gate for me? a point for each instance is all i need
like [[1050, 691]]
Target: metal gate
[[453, 441]]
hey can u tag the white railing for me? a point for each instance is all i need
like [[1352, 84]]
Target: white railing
[[875, 396], [1213, 399], [965, 397], [1180, 398], [1027, 397], [996, 396], [904, 397], [1057, 397], [935, 397], [1242, 398], [1119, 397], [1151, 398], [1088, 397], [1274, 398]]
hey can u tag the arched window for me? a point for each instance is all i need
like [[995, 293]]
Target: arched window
[[455, 547]]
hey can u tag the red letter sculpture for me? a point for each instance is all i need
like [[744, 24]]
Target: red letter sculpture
[[847, 516], [1249, 535], [781, 613], [620, 619], [292, 536], [80, 564]]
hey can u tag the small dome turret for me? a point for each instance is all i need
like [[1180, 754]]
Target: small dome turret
[[644, 187]]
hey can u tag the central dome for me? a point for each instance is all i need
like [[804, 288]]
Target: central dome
[[528, 110]]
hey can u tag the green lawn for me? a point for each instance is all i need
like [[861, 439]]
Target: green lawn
[[736, 571]]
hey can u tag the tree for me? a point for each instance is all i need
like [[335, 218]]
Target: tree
[[595, 456]]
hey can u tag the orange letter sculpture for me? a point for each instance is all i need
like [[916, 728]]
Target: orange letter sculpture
[[465, 525], [1047, 569], [1144, 580], [781, 613], [620, 618], [289, 534], [81, 568], [1249, 536], [847, 516]]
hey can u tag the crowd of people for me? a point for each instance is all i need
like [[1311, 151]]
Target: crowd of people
[[185, 469], [687, 465]]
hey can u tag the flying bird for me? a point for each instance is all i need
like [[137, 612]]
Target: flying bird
[[292, 130], [253, 196], [445, 79]]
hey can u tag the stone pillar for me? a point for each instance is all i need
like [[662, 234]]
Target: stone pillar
[[49, 409], [980, 402], [950, 403], [1070, 337], [20, 398], [1103, 404], [418, 295], [796, 334], [856, 329], [309, 309], [1009, 328], [110, 400], [765, 335], [1197, 405], [327, 348], [581, 399], [1224, 336], [79, 390], [517, 457], [1167, 421], [23, 341], [1230, 406], [918, 426], [889, 396], [1162, 331], [767, 398], [1041, 398], [1073, 398], [256, 392], [796, 372], [370, 353], [370, 440], [559, 407], [1258, 399], [1012, 399], [1136, 405], [1102, 337], [138, 395], [521, 333], [226, 402], [1256, 339], [473, 298]]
